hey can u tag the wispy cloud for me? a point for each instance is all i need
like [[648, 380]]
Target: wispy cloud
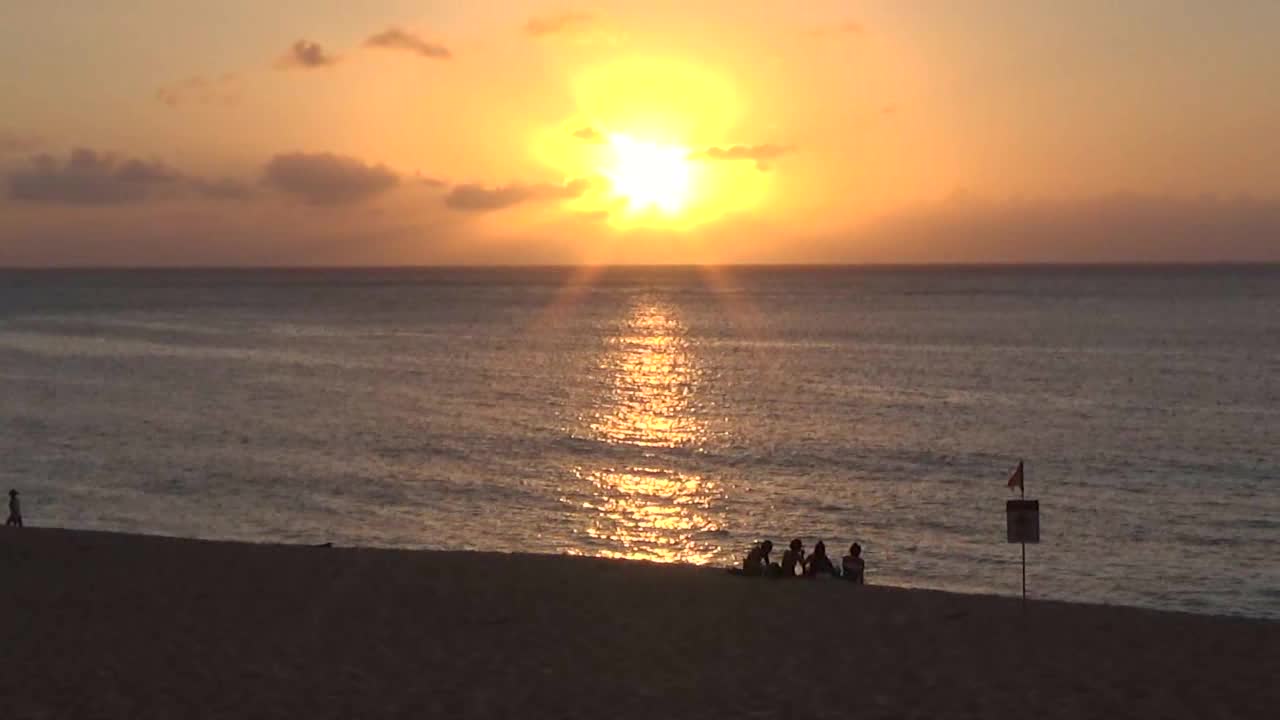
[[558, 23], [199, 90], [589, 134], [15, 142], [428, 181], [397, 39], [762, 155], [479, 198], [327, 179]]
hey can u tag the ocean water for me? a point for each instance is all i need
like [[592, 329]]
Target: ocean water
[[673, 414]]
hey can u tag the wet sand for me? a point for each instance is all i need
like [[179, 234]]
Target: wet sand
[[119, 626]]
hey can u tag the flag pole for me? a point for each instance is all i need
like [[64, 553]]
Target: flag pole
[[1024, 575], [1022, 486]]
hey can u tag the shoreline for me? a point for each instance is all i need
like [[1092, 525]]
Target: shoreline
[[118, 625], [499, 555]]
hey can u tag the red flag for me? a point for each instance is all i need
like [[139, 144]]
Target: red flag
[[1015, 480]]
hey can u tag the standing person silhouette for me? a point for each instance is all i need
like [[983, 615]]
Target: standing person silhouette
[[15, 510]]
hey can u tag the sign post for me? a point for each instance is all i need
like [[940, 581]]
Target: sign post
[[1023, 527]]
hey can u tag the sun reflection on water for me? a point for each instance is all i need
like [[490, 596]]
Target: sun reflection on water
[[652, 514], [649, 509], [654, 378]]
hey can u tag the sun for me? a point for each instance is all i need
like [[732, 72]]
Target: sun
[[640, 132], [649, 176]]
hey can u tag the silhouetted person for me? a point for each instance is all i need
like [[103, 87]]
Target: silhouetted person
[[818, 563], [756, 563], [15, 510], [792, 557], [853, 565]]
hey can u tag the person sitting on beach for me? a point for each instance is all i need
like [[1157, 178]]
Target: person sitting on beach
[[15, 510], [791, 558], [818, 563], [756, 563], [853, 565]]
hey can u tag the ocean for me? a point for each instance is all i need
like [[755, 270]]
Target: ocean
[[673, 414]]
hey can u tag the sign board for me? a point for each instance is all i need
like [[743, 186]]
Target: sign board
[[1024, 520]]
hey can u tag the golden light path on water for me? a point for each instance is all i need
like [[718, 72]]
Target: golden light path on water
[[650, 510]]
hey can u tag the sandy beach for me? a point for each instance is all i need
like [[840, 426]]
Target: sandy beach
[[119, 626]]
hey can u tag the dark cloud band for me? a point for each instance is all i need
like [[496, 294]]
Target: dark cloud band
[[762, 155], [90, 177], [327, 179], [479, 198]]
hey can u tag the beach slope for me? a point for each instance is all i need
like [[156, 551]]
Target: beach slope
[[117, 626]]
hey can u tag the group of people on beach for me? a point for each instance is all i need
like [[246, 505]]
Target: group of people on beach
[[796, 564]]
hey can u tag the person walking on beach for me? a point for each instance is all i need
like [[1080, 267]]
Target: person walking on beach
[[854, 566], [15, 510]]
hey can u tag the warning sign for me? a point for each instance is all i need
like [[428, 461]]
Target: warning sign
[[1024, 520]]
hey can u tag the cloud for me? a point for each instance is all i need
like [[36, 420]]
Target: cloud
[[478, 198], [307, 55], [327, 179], [589, 134], [211, 234], [428, 181], [763, 155], [13, 142], [556, 24], [1110, 228], [222, 90], [91, 178], [397, 39]]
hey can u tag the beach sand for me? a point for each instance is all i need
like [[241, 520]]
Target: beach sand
[[118, 626]]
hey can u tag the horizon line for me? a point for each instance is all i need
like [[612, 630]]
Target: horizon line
[[1116, 264]]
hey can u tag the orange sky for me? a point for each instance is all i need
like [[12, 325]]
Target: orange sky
[[142, 132]]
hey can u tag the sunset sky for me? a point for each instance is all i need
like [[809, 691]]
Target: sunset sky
[[328, 132]]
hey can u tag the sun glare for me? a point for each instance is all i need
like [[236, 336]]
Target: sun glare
[[649, 175], [642, 126]]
